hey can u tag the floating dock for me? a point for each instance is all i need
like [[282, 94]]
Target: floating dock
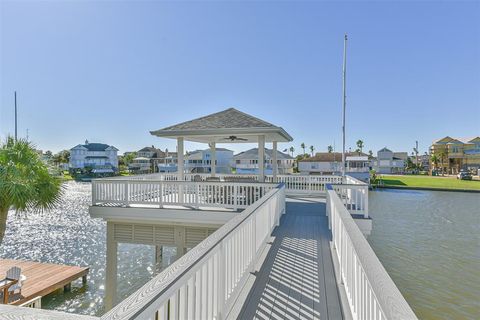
[[42, 278]]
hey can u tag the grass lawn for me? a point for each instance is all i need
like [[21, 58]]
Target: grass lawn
[[430, 182]]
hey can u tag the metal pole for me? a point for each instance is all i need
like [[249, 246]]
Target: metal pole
[[15, 115], [344, 99]]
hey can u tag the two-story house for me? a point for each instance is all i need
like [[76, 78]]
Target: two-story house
[[389, 162], [455, 154], [200, 161], [247, 162], [147, 160], [98, 157], [357, 164]]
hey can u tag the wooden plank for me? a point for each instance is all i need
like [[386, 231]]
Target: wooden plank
[[42, 278], [296, 280]]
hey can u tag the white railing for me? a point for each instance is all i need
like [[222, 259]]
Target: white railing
[[35, 303], [206, 281], [294, 184], [354, 197], [370, 291], [231, 195]]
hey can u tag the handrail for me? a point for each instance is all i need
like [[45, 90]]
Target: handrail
[[370, 291], [206, 280], [232, 195]]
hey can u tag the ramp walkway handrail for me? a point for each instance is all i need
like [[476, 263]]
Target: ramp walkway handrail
[[370, 291], [205, 282]]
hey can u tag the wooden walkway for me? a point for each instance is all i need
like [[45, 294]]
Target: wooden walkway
[[297, 280], [42, 278]]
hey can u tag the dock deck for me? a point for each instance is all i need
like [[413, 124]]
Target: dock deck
[[296, 280], [42, 278]]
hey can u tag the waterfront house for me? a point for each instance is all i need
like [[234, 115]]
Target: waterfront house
[[147, 160], [331, 163], [246, 162], [455, 154], [200, 161], [389, 162], [100, 158]]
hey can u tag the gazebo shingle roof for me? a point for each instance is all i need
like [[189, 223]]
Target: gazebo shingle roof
[[230, 125], [229, 118]]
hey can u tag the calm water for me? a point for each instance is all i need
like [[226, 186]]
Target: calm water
[[69, 236], [429, 242]]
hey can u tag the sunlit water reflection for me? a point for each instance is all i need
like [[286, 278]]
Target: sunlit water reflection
[[68, 235], [429, 242]]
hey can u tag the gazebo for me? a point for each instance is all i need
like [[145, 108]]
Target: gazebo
[[227, 126]]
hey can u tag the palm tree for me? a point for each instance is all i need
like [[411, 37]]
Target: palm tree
[[311, 150], [360, 145], [330, 149], [292, 149], [303, 147], [434, 159], [25, 183]]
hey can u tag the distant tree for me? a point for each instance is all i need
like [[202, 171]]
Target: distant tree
[[360, 145], [330, 149], [25, 183], [434, 159], [127, 159], [48, 154], [62, 157], [303, 147], [311, 150], [292, 150], [370, 153]]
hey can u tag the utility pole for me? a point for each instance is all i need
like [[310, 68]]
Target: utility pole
[[344, 99], [15, 115]]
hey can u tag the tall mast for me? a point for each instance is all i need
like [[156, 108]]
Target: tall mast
[[15, 115], [344, 99]]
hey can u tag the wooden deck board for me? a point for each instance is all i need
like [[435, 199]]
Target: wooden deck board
[[297, 280], [42, 278]]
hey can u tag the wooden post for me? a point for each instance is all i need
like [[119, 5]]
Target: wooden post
[[158, 258], [111, 269], [261, 158], [213, 159], [274, 160], [180, 168]]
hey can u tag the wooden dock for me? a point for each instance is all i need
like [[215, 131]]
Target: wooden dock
[[42, 278]]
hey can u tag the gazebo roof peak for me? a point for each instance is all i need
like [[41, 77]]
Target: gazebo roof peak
[[227, 126]]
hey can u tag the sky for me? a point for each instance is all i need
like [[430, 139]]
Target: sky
[[111, 72]]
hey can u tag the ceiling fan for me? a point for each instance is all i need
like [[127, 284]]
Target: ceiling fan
[[233, 138]]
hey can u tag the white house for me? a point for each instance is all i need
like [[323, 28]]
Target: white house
[[199, 161], [146, 160], [388, 161], [247, 162], [356, 164], [101, 157]]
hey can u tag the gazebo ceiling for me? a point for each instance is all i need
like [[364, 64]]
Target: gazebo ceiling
[[227, 126]]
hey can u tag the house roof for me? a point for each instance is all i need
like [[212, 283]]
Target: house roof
[[227, 126], [149, 149], [332, 156], [384, 149], [450, 140], [252, 154], [207, 150], [95, 146]]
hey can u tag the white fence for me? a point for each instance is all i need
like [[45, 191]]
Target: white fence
[[370, 291], [129, 192], [294, 184], [205, 282]]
